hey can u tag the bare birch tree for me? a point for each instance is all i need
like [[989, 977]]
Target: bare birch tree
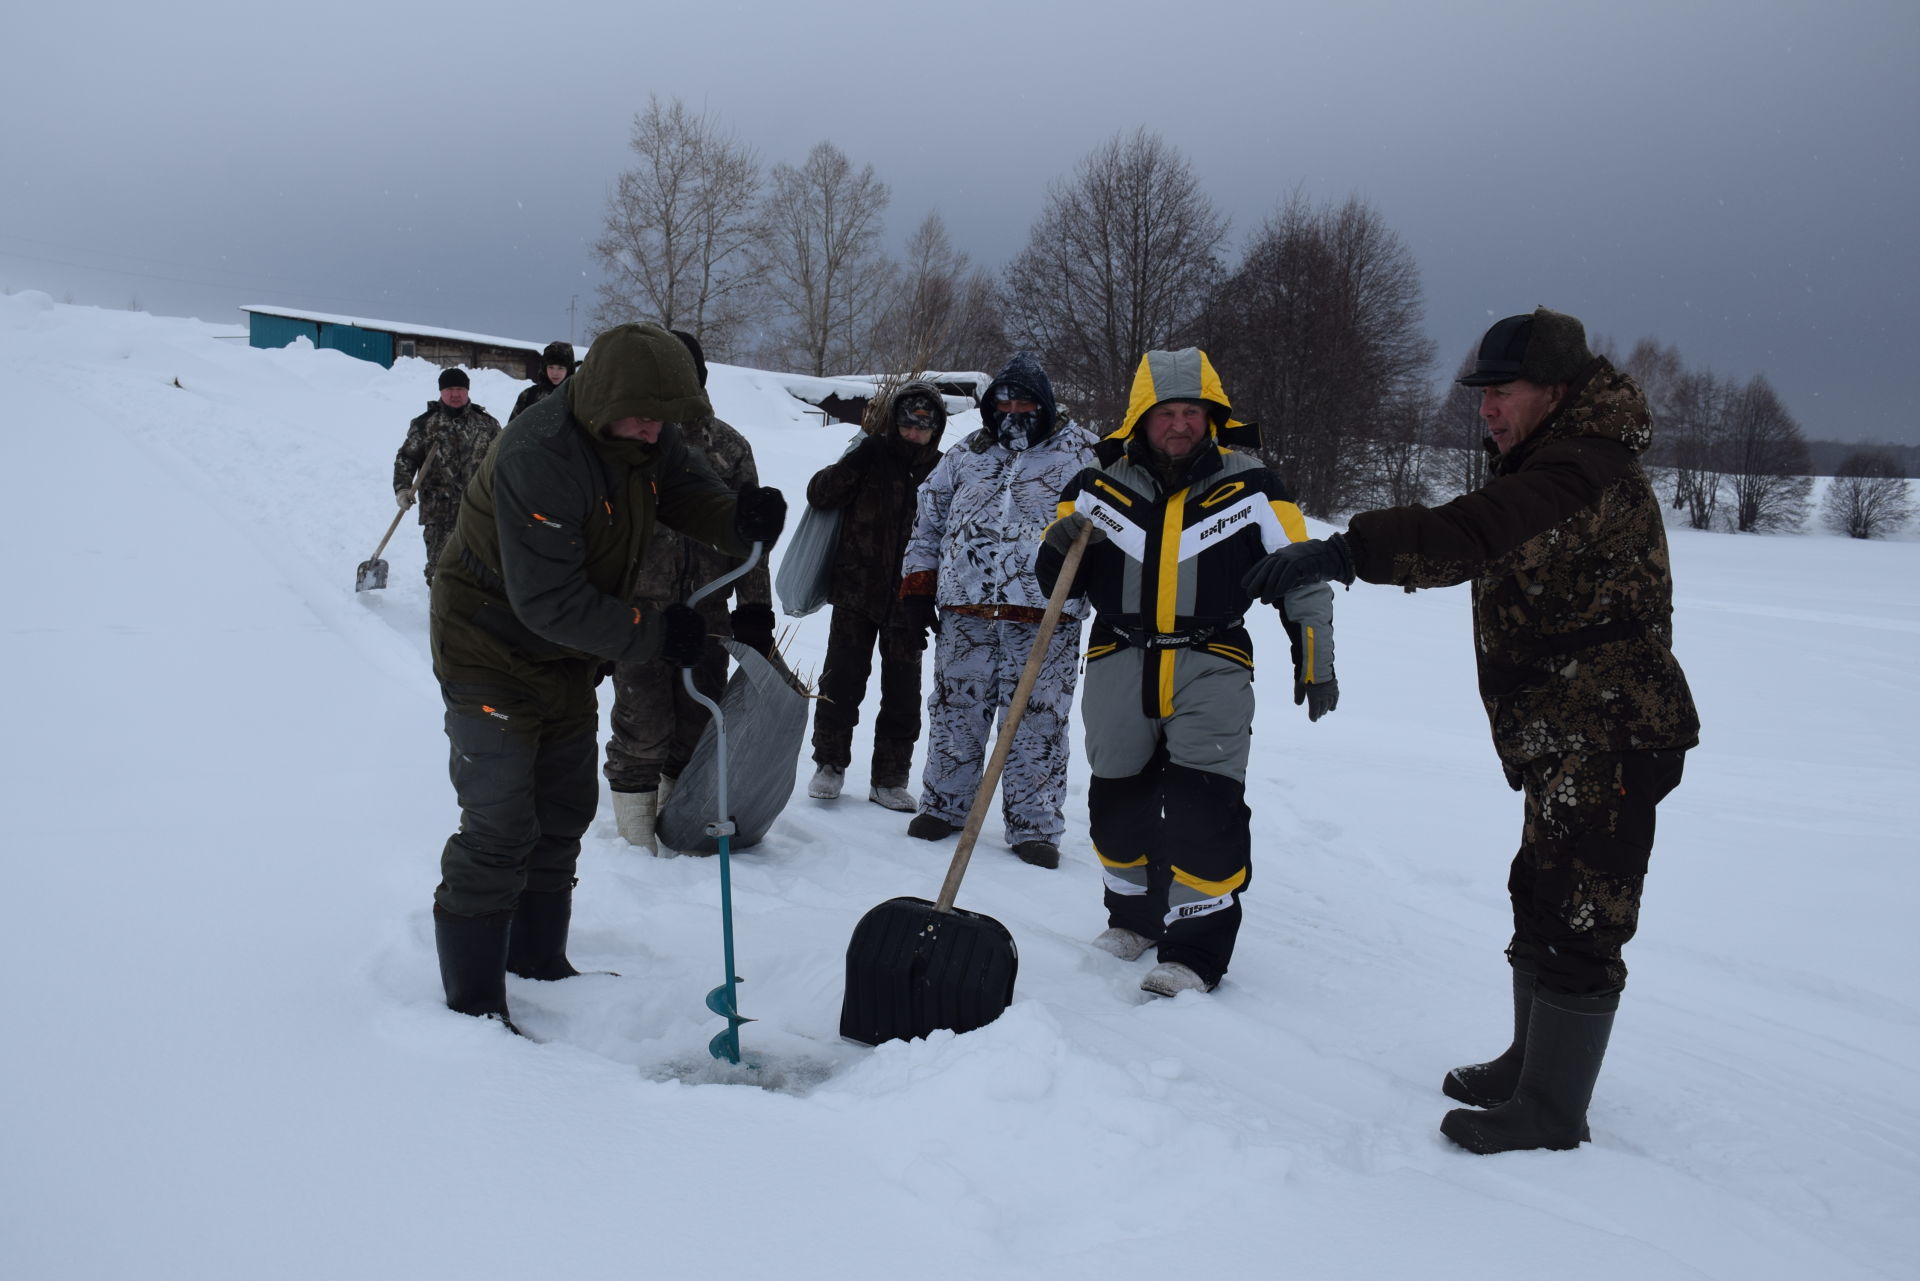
[[1765, 460], [1868, 497], [932, 305], [1320, 328], [1122, 260], [819, 251], [679, 227]]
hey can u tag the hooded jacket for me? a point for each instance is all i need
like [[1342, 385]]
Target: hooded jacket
[[1572, 588], [542, 561], [984, 508], [556, 353], [874, 488], [1167, 575]]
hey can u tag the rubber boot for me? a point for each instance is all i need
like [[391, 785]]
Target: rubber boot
[[473, 963], [1489, 1084], [537, 944], [1566, 1042]]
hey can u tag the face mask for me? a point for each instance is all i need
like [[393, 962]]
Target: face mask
[[1016, 431]]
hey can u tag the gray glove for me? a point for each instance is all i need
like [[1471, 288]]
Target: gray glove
[[1320, 698], [1062, 532], [404, 497]]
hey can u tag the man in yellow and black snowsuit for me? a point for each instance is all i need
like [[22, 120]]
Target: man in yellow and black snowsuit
[[532, 597], [1178, 518]]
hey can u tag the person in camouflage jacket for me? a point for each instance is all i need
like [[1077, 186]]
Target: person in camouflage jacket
[[874, 489], [656, 723], [534, 595], [459, 433], [1591, 714]]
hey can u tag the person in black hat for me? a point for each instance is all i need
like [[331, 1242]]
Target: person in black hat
[[1590, 712], [559, 366], [461, 431]]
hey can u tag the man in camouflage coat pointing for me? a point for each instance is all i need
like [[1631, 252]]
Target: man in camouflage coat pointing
[[1573, 623]]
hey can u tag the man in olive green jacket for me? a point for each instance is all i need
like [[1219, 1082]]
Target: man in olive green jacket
[[530, 599]]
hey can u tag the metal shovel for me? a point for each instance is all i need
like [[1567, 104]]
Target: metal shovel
[[373, 570]]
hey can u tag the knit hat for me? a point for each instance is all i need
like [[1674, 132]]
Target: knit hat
[[455, 377], [1543, 347], [692, 345], [558, 353]]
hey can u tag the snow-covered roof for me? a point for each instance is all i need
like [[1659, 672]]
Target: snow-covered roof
[[396, 327]]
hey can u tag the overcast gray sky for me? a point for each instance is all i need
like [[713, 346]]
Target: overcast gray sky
[[1735, 177]]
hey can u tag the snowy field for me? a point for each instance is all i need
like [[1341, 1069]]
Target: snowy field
[[226, 1055]]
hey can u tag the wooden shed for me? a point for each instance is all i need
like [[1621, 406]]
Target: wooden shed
[[384, 341]]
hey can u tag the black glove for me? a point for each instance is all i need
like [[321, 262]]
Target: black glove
[[1320, 697], [920, 614], [869, 448], [1299, 565], [760, 515], [1062, 532], [753, 626], [685, 643]]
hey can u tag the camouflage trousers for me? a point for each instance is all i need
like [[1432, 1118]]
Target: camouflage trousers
[[977, 664], [436, 535], [656, 723], [851, 639], [1575, 884]]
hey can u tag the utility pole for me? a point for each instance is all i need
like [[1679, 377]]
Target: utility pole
[[571, 300]]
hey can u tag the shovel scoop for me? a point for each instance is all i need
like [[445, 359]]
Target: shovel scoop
[[372, 574]]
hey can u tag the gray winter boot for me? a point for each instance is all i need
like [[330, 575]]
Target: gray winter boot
[[1566, 1042], [635, 813], [826, 783], [1489, 1084]]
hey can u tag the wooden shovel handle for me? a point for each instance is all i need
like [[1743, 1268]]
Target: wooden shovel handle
[[418, 476], [1015, 710]]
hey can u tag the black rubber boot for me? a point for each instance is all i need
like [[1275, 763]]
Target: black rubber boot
[[473, 963], [537, 946], [1566, 1042], [1489, 1084]]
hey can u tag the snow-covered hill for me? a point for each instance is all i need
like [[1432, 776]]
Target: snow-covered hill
[[225, 792]]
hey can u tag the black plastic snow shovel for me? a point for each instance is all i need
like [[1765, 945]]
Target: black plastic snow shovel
[[373, 571], [915, 966]]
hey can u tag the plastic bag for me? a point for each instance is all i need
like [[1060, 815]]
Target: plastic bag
[[766, 721], [806, 566]]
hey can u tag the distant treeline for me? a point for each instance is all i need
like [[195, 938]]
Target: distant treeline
[[1315, 321], [1825, 457]]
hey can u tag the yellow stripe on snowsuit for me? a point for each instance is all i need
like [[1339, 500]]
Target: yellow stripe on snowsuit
[[1167, 591], [1107, 862], [1306, 668], [1291, 521], [1210, 889]]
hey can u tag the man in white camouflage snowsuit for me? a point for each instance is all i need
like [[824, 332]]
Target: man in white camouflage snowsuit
[[1178, 518], [968, 576], [656, 723], [462, 432]]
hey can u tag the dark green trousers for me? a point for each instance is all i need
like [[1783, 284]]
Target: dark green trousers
[[528, 783]]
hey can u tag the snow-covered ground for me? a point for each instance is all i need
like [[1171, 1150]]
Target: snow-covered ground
[[226, 1057]]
